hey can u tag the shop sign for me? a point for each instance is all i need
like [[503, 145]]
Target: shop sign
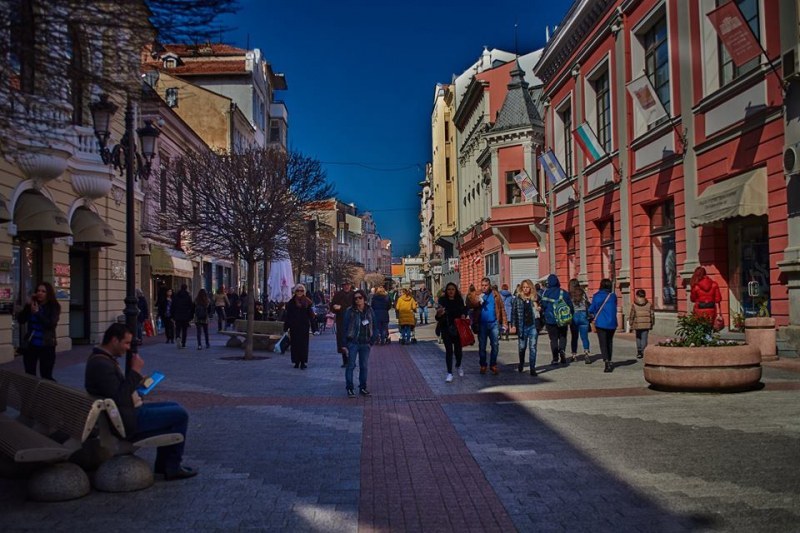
[[118, 270], [61, 280]]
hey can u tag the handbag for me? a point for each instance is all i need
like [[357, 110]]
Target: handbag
[[719, 323], [283, 343], [148, 328], [465, 334]]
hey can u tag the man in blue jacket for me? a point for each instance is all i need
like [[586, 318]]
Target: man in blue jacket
[[557, 333]]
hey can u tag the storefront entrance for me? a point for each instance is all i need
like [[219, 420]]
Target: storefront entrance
[[80, 296], [26, 270], [748, 244]]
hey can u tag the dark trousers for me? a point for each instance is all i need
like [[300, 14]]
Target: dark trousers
[[341, 342], [182, 327], [45, 356], [605, 337], [169, 328], [558, 340], [451, 346], [220, 317], [201, 328]]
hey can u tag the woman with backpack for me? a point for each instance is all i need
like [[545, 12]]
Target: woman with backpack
[[604, 310], [201, 305], [558, 312], [580, 321]]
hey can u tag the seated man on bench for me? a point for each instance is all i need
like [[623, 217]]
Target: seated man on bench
[[105, 379]]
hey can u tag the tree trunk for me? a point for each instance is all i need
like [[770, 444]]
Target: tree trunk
[[251, 292]]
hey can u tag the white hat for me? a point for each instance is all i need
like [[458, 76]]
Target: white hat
[[298, 287]]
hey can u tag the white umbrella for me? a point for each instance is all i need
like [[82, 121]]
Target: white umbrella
[[280, 282]]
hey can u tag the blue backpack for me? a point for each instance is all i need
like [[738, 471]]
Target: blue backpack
[[561, 310]]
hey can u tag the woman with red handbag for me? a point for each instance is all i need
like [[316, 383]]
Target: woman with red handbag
[[451, 307]]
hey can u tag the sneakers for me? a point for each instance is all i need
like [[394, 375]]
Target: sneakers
[[483, 369], [533, 372], [460, 372], [363, 392], [587, 358], [449, 378], [574, 357], [639, 355], [351, 393], [495, 370], [609, 367]]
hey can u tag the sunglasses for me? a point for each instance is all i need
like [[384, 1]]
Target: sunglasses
[[358, 297]]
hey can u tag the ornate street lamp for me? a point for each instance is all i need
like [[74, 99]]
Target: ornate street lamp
[[124, 157]]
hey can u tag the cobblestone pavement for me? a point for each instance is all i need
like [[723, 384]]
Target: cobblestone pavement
[[283, 449]]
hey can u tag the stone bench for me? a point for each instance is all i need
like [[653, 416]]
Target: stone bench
[[52, 423], [265, 334]]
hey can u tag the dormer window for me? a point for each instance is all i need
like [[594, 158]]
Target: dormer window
[[170, 62], [172, 97]]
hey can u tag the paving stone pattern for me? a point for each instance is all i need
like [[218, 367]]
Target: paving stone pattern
[[283, 449]]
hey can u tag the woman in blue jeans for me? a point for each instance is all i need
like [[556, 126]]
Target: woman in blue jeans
[[580, 320], [525, 313], [360, 334]]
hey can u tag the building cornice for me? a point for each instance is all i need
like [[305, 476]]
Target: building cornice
[[468, 103]]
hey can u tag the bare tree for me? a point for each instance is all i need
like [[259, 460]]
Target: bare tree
[[243, 204], [306, 245], [342, 267], [56, 56], [374, 279]]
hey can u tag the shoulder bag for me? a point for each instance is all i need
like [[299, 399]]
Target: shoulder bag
[[591, 324]]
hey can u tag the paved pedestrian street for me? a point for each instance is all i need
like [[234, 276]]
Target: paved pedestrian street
[[283, 449]]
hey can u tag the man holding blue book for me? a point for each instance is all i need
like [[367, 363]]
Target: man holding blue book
[[105, 378]]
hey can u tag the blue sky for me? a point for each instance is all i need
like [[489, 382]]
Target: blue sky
[[361, 78]]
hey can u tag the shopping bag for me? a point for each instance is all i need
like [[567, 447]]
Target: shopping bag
[[465, 334], [719, 323], [148, 328], [283, 343]]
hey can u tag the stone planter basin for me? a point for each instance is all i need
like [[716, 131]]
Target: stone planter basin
[[703, 369], [760, 331]]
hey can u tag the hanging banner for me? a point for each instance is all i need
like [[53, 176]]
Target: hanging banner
[[735, 33], [525, 184], [645, 98]]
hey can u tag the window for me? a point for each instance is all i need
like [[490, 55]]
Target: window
[[170, 62], [163, 187], [662, 244], [447, 175], [75, 73], [492, 263], [274, 131], [608, 266], [512, 189], [603, 102], [572, 254], [566, 121], [172, 97], [22, 47], [728, 71], [656, 60]]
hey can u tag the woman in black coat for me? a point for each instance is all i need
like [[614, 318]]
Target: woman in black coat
[[449, 308], [41, 314], [298, 319]]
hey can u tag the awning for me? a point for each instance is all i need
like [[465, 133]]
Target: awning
[[34, 214], [741, 196], [162, 263], [89, 229]]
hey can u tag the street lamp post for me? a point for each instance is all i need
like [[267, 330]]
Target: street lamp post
[[123, 156]]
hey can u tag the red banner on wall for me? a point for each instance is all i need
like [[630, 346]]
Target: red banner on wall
[[735, 34]]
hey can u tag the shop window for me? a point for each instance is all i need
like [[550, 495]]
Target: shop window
[[728, 71], [607, 264], [572, 254], [492, 264], [662, 245]]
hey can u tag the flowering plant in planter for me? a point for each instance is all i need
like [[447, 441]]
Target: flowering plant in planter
[[696, 331]]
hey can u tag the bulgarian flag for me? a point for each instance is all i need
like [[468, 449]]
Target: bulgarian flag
[[588, 142]]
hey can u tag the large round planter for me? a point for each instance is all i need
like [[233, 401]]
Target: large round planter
[[760, 332], [703, 369]]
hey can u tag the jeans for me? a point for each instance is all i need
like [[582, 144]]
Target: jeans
[[605, 337], [362, 351], [641, 340], [579, 325], [423, 314], [528, 336], [156, 419], [405, 333], [139, 331], [490, 330], [201, 328], [169, 329], [382, 326], [452, 345], [558, 340], [45, 356]]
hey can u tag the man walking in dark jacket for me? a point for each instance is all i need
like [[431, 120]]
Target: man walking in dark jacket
[[182, 312], [104, 378], [552, 296]]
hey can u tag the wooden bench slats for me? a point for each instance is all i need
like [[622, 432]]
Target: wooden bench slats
[[65, 409], [17, 391], [26, 445]]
